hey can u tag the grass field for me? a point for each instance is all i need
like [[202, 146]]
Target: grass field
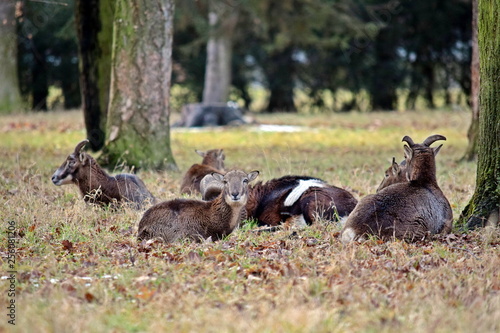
[[80, 269]]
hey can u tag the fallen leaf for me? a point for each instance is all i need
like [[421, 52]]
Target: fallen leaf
[[89, 297], [67, 245], [145, 293]]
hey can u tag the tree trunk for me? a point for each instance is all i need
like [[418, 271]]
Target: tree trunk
[[10, 98], [222, 19], [385, 77], [279, 73], [484, 204], [472, 134], [40, 83], [94, 21], [138, 131], [428, 72]]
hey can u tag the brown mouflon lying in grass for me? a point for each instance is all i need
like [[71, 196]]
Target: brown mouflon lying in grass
[[96, 185], [213, 161], [297, 199], [396, 173], [196, 219], [407, 210]]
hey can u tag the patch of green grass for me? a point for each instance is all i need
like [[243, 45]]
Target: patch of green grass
[[81, 269]]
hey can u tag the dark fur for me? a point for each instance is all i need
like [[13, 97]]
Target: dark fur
[[97, 186], [266, 201], [407, 210], [197, 220], [213, 161]]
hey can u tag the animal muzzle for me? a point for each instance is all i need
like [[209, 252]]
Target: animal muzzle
[[59, 180]]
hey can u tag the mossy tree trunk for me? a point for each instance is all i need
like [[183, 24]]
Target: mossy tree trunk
[[484, 204], [10, 97], [94, 21], [222, 18], [137, 130], [472, 134]]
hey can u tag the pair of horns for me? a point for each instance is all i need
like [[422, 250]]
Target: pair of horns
[[427, 142]]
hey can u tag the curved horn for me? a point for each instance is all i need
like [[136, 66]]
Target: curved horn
[[430, 140], [80, 146], [408, 140]]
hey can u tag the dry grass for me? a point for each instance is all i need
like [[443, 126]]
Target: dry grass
[[79, 268]]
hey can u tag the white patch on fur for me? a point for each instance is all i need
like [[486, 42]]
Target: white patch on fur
[[303, 186], [67, 180], [348, 235], [298, 221], [343, 220]]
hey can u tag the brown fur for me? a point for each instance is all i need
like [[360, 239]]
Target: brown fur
[[396, 173], [266, 202], [213, 161], [407, 210], [97, 186], [197, 220]]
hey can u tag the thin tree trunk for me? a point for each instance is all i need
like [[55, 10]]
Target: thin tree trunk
[[10, 97], [472, 134], [40, 83], [138, 131], [428, 72], [94, 21], [484, 204], [280, 72], [385, 78], [222, 19]]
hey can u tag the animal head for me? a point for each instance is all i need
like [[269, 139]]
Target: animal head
[[420, 156], [396, 173], [214, 158], [66, 172], [235, 185]]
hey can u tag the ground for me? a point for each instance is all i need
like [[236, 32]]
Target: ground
[[79, 268]]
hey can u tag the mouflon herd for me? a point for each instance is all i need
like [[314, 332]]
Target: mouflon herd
[[408, 204]]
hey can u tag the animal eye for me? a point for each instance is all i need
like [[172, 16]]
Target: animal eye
[[245, 181]]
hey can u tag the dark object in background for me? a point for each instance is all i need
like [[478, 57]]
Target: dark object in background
[[200, 115]]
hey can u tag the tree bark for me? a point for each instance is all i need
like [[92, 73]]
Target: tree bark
[[40, 83], [10, 97], [484, 204], [472, 134], [385, 77], [428, 72], [222, 18], [138, 132], [94, 21], [280, 76]]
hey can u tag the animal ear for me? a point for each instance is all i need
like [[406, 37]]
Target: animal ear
[[408, 152], [436, 149], [83, 158], [201, 153], [395, 167], [221, 154], [252, 175], [217, 176]]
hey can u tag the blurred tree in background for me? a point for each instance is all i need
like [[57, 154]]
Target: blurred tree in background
[[10, 99], [48, 52], [387, 54], [94, 25]]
